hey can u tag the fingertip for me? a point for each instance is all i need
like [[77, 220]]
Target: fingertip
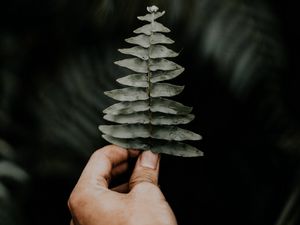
[[146, 169], [115, 154], [149, 159], [134, 152]]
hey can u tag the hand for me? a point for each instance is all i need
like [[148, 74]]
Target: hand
[[139, 202]]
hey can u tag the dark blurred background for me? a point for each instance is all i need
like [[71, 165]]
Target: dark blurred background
[[242, 77]]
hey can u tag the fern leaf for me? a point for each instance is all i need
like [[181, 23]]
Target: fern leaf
[[128, 94], [134, 64], [162, 64], [151, 16], [158, 38], [169, 106], [127, 108], [165, 75], [145, 118], [150, 28], [134, 80]]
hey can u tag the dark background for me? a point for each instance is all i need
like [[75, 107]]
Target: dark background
[[241, 77]]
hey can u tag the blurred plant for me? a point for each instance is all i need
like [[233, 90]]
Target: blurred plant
[[12, 177]]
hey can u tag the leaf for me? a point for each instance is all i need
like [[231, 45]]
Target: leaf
[[125, 131], [169, 133], [165, 90], [12, 171], [167, 119], [137, 51], [150, 17], [144, 119], [128, 94], [141, 40], [154, 118], [165, 147], [169, 106], [177, 149], [127, 107], [137, 143], [162, 64], [165, 75], [148, 29], [160, 51], [145, 41], [134, 64], [134, 80], [158, 38], [134, 118]]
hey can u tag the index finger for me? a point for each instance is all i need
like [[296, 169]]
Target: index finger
[[99, 167]]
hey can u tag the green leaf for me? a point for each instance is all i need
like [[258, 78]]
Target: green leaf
[[154, 118], [169, 133], [134, 64], [127, 107], [173, 133], [145, 40], [148, 29], [169, 106], [165, 75], [141, 40], [163, 64], [141, 80], [137, 51], [128, 94], [134, 118], [12, 171], [125, 131], [150, 17], [160, 51], [144, 119], [158, 146], [137, 143], [177, 149], [165, 90], [134, 80], [167, 119], [158, 38]]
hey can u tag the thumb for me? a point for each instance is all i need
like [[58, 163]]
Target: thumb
[[146, 169]]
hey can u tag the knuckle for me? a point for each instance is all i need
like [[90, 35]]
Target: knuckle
[[145, 176], [76, 201], [98, 153]]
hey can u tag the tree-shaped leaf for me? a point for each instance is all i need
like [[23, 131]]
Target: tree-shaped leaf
[[145, 118]]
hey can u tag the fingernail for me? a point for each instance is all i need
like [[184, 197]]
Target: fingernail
[[149, 159]]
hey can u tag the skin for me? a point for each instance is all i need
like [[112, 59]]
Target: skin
[[138, 202]]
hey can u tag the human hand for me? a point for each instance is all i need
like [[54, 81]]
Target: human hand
[[139, 202]]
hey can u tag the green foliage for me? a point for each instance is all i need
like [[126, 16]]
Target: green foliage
[[148, 119]]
